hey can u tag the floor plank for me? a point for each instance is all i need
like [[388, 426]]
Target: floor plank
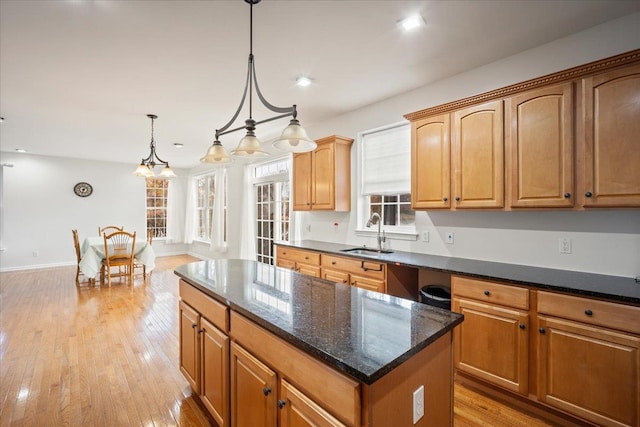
[[99, 356]]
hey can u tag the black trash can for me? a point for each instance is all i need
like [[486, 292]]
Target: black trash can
[[436, 296]]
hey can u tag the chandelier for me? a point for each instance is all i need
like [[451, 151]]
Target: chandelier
[[293, 139], [145, 169]]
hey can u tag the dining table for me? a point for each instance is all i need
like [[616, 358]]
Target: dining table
[[92, 254]]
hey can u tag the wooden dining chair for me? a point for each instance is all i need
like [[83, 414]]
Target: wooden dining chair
[[137, 264], [119, 250], [109, 229], [76, 244]]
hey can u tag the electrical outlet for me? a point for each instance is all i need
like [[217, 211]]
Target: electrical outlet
[[564, 245], [449, 238], [36, 254], [425, 236], [307, 228], [418, 404]]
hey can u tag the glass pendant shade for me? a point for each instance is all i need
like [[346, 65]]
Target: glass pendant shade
[[249, 146], [216, 154], [294, 139], [143, 171], [167, 172]]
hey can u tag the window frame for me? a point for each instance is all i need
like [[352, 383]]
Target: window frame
[[398, 232]]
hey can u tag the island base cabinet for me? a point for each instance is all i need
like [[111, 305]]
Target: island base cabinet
[[298, 410], [215, 362], [589, 371], [253, 390]]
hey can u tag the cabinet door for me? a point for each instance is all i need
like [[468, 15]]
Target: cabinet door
[[431, 163], [189, 354], [302, 181], [335, 276], [612, 138], [540, 147], [478, 156], [298, 410], [253, 390], [368, 283], [493, 344], [309, 270], [215, 375], [589, 371], [322, 178]]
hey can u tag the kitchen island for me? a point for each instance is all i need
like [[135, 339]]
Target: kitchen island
[[266, 346]]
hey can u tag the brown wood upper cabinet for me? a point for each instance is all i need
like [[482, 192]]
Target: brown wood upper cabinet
[[322, 178], [611, 138], [430, 163], [540, 147], [478, 156]]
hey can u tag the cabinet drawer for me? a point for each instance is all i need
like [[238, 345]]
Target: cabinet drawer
[[360, 267], [331, 389], [298, 255], [480, 290], [591, 311], [209, 308]]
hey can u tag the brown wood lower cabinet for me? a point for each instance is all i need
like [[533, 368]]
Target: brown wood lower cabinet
[[369, 275], [298, 410], [584, 367], [582, 356], [204, 350], [304, 262]]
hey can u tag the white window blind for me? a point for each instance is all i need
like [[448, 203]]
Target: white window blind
[[386, 160]]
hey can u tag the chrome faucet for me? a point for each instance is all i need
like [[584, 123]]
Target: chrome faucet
[[381, 238]]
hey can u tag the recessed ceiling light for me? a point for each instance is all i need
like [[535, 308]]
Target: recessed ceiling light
[[21, 150], [412, 22], [303, 81], [178, 144]]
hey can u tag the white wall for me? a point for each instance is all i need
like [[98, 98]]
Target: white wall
[[604, 241], [41, 209]]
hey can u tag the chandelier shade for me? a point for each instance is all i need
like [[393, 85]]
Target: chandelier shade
[[145, 168], [293, 139]]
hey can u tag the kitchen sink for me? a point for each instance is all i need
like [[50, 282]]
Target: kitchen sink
[[366, 251]]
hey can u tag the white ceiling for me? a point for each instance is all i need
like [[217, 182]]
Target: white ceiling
[[77, 77]]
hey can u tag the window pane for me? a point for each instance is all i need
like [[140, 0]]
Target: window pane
[[390, 214], [391, 199], [407, 216], [376, 199]]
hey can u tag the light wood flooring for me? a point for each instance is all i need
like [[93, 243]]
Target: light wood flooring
[[99, 356]]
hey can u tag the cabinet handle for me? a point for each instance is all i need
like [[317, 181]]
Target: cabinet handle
[[200, 331], [193, 325], [281, 404], [588, 194], [541, 330], [487, 293], [353, 283], [567, 195], [457, 198], [284, 253], [521, 326], [333, 263], [308, 203], [266, 391], [588, 312], [344, 281], [306, 257], [444, 199]]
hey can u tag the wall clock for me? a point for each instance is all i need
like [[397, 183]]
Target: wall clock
[[83, 189]]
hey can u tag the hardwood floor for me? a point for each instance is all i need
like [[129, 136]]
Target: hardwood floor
[[99, 356]]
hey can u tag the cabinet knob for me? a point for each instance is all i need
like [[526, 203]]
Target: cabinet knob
[[457, 198], [567, 195], [306, 257], [344, 281], [266, 391], [487, 293], [353, 283], [588, 312], [200, 331], [541, 330], [588, 194], [521, 326], [308, 203], [444, 199], [333, 263], [193, 325], [281, 404]]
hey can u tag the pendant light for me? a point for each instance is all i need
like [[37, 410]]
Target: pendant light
[[145, 169], [293, 139]]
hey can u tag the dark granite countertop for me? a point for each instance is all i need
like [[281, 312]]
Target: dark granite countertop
[[616, 288], [361, 333]]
